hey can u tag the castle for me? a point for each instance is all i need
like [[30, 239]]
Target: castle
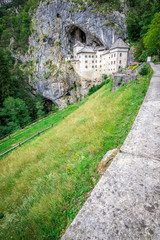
[[93, 62]]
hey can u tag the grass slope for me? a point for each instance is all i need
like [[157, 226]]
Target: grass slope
[[45, 182], [30, 130]]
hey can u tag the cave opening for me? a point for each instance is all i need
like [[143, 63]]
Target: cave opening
[[76, 34]]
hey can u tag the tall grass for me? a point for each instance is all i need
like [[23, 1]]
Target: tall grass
[[45, 182], [35, 127]]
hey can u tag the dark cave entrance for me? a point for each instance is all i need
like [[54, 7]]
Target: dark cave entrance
[[76, 34]]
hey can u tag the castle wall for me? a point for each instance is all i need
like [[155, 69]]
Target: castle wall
[[93, 64]]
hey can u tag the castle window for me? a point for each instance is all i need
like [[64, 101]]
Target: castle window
[[79, 56], [92, 66], [92, 61], [89, 56], [85, 56], [120, 61], [100, 61], [86, 61], [96, 66], [120, 54], [96, 56], [86, 66], [92, 56], [100, 66], [114, 62], [114, 55], [96, 61], [111, 62]]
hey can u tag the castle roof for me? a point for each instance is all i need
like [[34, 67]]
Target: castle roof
[[87, 49], [119, 44], [100, 48]]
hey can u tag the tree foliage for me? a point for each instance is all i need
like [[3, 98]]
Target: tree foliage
[[152, 38], [140, 15], [14, 114]]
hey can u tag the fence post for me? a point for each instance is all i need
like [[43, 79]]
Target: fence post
[[38, 133], [19, 144]]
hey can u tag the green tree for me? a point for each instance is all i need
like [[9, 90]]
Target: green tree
[[140, 14], [39, 107], [14, 114], [152, 38], [5, 78]]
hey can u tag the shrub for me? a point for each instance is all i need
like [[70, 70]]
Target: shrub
[[94, 88], [144, 71], [54, 108]]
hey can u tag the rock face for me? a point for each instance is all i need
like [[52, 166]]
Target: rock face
[[56, 26], [4, 1]]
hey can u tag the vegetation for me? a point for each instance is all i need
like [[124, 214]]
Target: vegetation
[[44, 184], [15, 28], [15, 23], [94, 88], [17, 106], [101, 6], [152, 39], [143, 23], [29, 130], [145, 70]]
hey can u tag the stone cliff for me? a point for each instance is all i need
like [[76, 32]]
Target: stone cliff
[[2, 2], [56, 26]]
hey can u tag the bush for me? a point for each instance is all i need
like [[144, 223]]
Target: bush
[[144, 71], [94, 88], [54, 108]]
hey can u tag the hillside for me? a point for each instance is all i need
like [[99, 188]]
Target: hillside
[[45, 182], [36, 38]]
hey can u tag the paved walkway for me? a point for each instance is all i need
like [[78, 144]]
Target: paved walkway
[[125, 204]]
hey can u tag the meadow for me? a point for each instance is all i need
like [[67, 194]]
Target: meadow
[[45, 182], [24, 133]]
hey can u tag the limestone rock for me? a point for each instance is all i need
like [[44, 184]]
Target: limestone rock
[[108, 157], [55, 27]]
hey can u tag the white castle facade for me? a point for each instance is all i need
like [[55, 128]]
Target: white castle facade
[[93, 62]]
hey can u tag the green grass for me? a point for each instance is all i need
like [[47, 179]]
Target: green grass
[[44, 183], [30, 130]]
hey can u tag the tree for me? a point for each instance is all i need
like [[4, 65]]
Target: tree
[[39, 107], [152, 38], [14, 114], [5, 77]]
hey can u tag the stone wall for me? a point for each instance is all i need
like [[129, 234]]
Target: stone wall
[[119, 78]]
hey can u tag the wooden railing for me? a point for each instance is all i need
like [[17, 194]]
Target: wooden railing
[[34, 135]]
